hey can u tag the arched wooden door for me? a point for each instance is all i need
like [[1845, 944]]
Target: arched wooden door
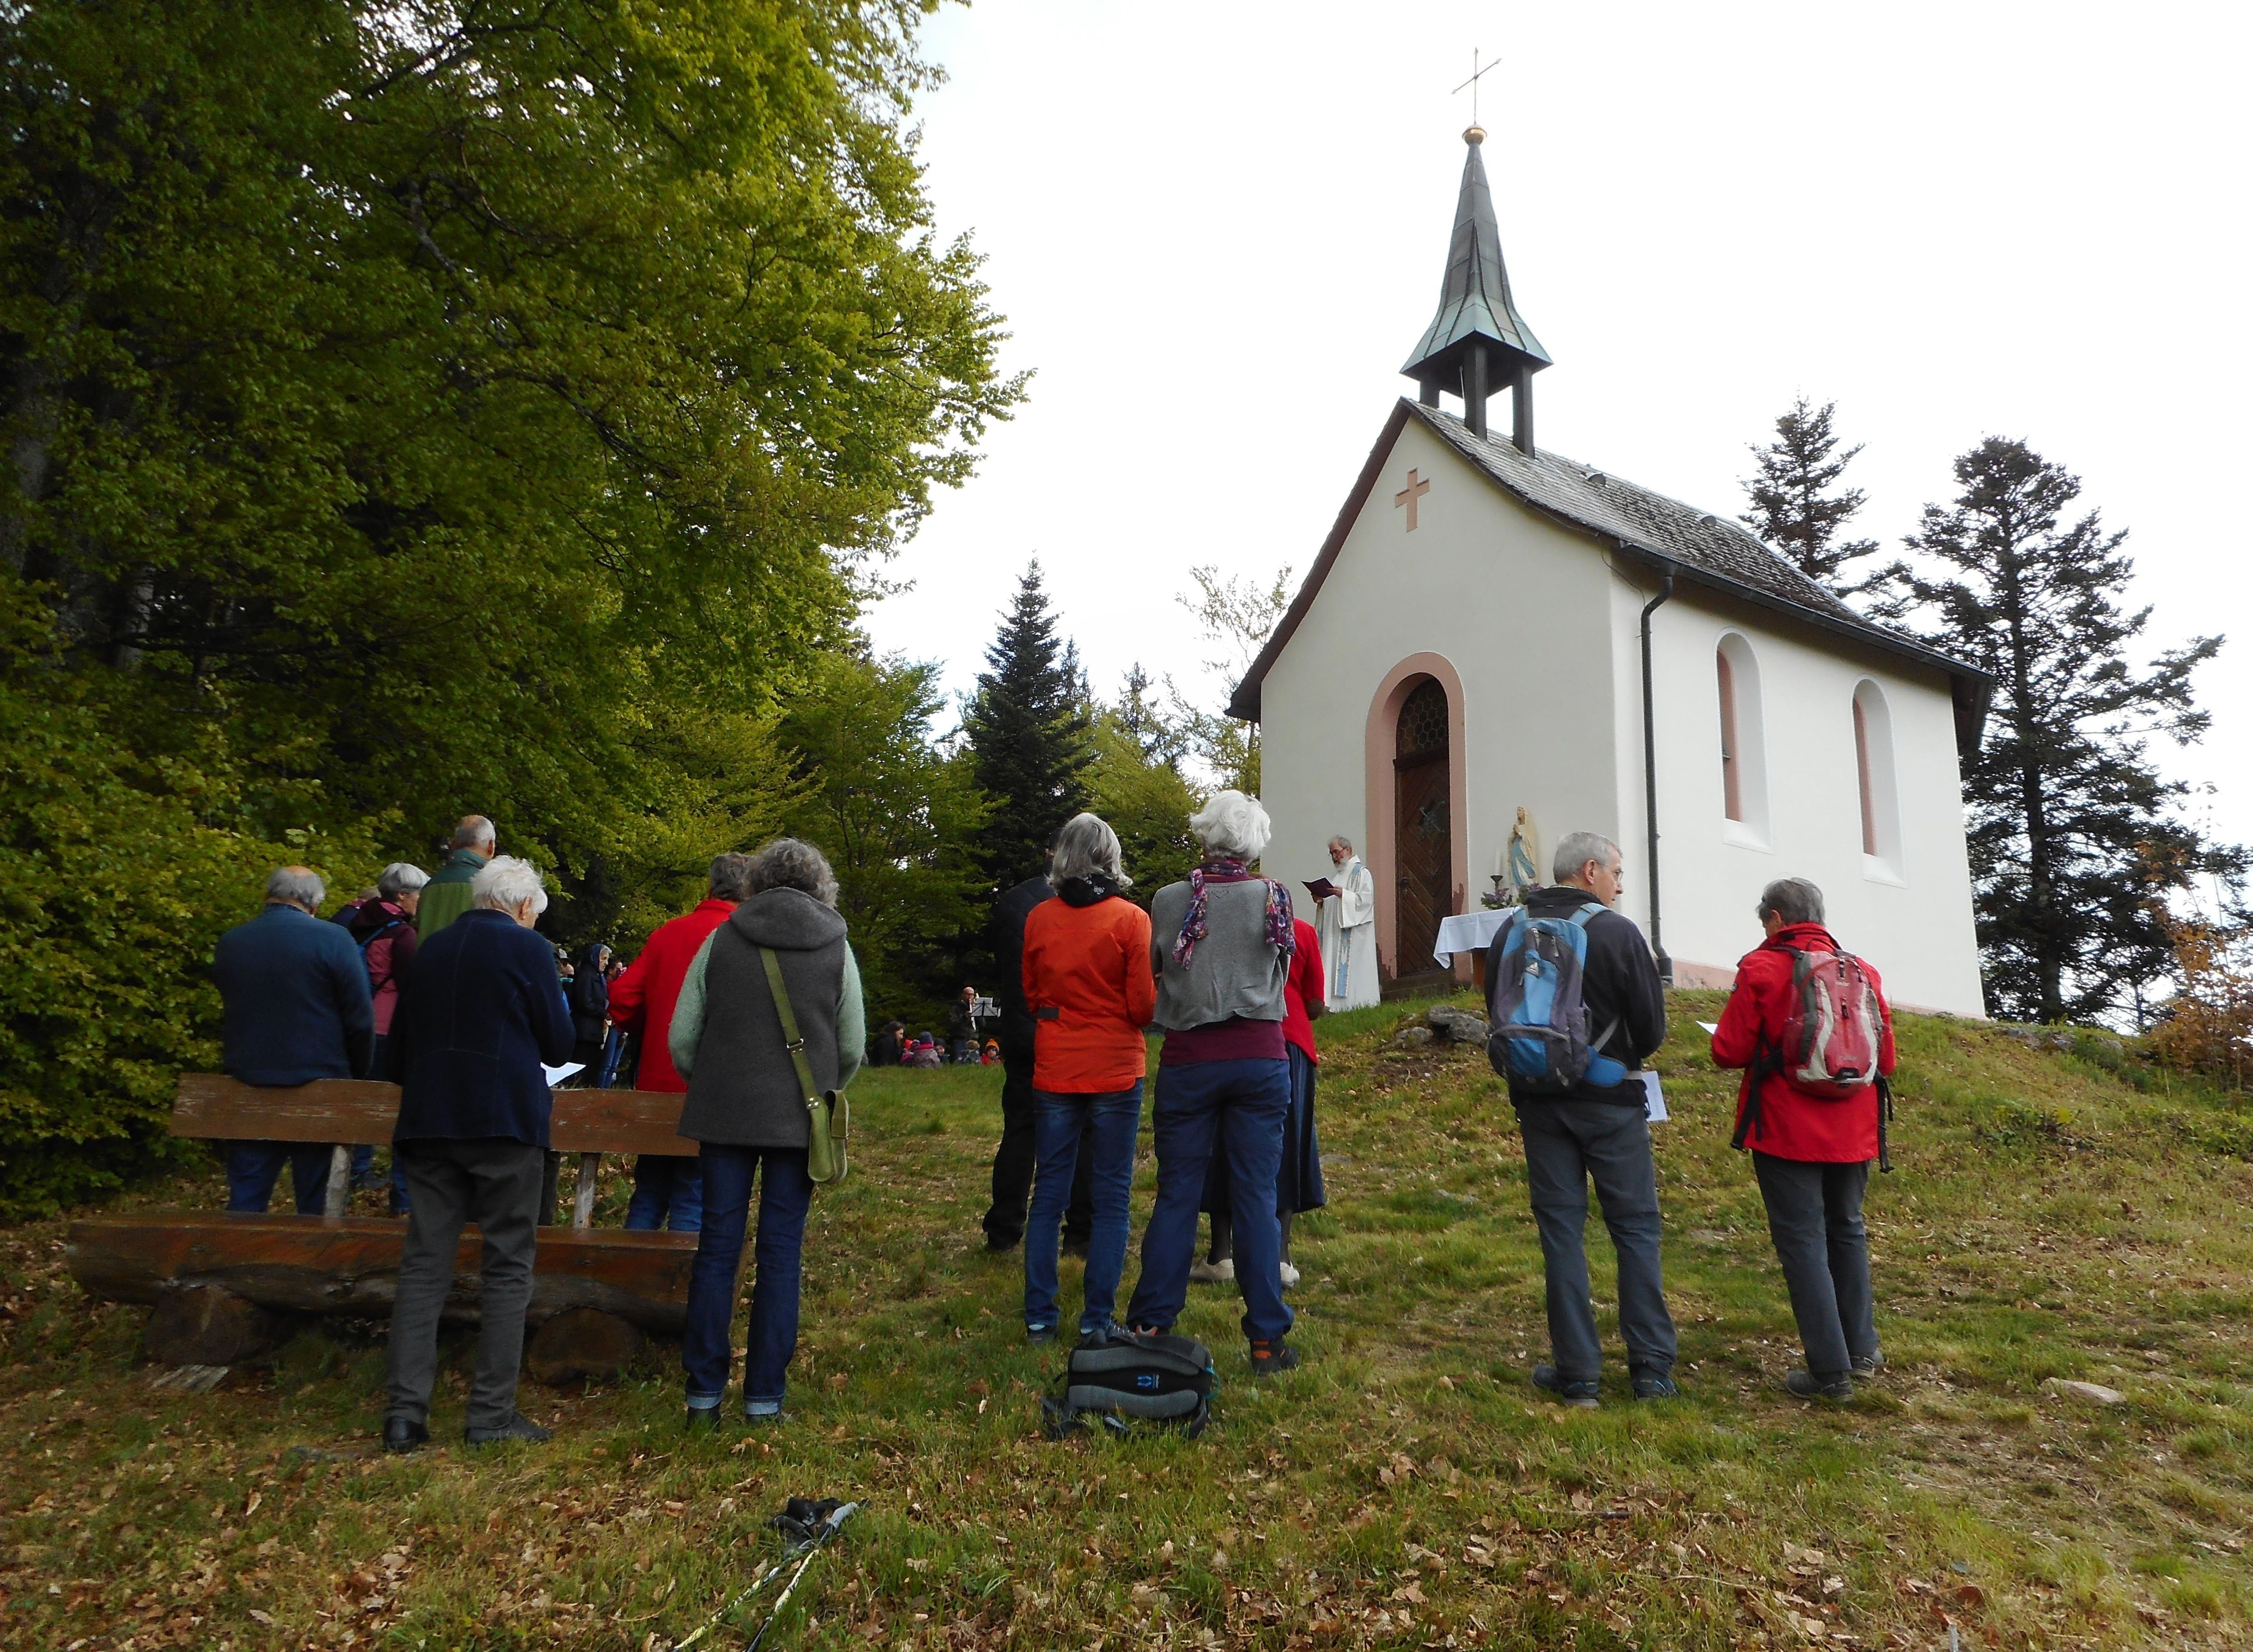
[[1422, 836]]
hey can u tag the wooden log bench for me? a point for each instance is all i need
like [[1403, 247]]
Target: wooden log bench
[[225, 1287]]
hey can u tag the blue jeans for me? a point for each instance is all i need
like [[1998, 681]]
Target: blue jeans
[[785, 1193], [253, 1167], [1110, 1118], [662, 1185], [1239, 1109]]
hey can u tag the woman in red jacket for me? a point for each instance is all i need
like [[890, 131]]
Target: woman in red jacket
[[1811, 1152], [1089, 986]]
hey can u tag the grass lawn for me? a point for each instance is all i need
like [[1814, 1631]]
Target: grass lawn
[[1406, 1488]]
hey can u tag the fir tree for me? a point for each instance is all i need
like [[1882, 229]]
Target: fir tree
[[2074, 839], [1797, 505], [1028, 727]]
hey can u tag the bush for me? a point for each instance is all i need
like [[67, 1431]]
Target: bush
[[2208, 1029]]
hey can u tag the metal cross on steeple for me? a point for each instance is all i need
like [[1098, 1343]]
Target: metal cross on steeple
[[1476, 74]]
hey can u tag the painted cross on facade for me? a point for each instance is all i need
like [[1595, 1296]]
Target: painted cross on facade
[[1407, 496]]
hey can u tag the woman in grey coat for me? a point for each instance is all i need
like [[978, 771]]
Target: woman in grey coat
[[747, 1106], [1220, 944]]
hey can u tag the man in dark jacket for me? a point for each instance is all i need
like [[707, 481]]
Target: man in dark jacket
[[480, 1015], [295, 997], [1599, 1132], [1013, 1157]]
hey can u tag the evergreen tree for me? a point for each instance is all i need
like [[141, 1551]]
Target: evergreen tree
[[2075, 840], [1029, 730], [1798, 507]]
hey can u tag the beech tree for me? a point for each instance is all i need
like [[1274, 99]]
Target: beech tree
[[415, 407], [2076, 838]]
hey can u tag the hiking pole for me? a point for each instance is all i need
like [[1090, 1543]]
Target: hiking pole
[[745, 1593], [820, 1539]]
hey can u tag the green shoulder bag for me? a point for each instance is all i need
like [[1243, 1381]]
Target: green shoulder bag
[[829, 1116]]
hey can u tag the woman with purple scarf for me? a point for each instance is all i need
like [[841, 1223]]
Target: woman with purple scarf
[[1221, 946]]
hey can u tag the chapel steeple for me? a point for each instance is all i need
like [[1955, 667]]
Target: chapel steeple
[[1478, 343]]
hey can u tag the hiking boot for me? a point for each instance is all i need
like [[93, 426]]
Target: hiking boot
[[1807, 1385], [1220, 1272], [1272, 1359], [1654, 1385], [702, 1420], [1581, 1396], [519, 1426], [1867, 1365], [765, 1420]]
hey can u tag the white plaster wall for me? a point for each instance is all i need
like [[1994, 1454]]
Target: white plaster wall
[[1513, 601], [1542, 631], [1913, 921]]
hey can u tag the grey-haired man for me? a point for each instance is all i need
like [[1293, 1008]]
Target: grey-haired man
[[1598, 1133]]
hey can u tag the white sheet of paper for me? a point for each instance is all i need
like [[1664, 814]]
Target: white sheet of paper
[[1711, 1027], [1654, 1103], [557, 1075]]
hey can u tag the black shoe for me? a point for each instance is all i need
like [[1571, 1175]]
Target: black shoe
[[1075, 1244], [1650, 1384], [519, 1426], [1578, 1396], [702, 1420], [999, 1245], [1867, 1365], [1040, 1334], [400, 1435], [1807, 1385], [1272, 1359], [765, 1419]]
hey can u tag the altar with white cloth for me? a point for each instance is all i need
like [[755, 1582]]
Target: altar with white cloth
[[1470, 932]]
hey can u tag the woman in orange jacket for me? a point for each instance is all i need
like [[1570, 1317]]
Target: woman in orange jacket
[[1089, 986]]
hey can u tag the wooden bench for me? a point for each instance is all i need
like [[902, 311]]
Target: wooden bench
[[225, 1287]]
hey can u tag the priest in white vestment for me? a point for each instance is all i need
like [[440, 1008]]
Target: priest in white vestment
[[1347, 925]]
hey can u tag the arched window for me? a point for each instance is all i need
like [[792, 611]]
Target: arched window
[[1733, 790], [1873, 774], [1744, 758]]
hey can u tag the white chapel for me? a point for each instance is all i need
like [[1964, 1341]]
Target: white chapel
[[1507, 628]]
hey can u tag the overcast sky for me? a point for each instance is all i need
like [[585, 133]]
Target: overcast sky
[[1217, 231]]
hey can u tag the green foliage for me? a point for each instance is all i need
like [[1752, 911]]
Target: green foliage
[[1235, 615], [1145, 800], [2076, 838], [897, 818], [417, 408], [115, 883], [1028, 728]]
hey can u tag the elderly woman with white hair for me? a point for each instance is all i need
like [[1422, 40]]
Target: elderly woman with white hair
[[1221, 944], [1088, 985], [747, 1105], [479, 1015]]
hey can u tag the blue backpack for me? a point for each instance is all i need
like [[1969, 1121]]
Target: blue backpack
[[1537, 1024]]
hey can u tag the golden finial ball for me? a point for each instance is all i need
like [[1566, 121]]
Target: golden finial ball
[[1474, 134]]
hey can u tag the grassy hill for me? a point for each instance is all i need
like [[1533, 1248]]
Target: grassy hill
[[2056, 1213]]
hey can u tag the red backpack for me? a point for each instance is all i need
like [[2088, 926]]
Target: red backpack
[[1829, 1050], [1832, 1031]]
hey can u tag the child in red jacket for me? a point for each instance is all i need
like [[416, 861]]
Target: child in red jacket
[[1811, 1152]]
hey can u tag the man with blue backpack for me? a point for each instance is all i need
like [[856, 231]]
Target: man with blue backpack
[[1573, 1005]]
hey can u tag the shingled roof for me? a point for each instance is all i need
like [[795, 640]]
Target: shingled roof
[[1670, 537]]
